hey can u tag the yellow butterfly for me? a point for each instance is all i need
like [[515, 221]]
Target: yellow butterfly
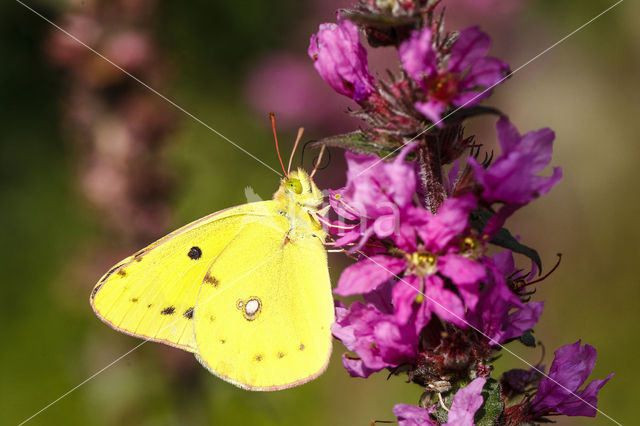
[[245, 289]]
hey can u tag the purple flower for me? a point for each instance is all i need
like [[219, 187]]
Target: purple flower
[[465, 404], [512, 179], [410, 415], [341, 60], [495, 315], [462, 80], [559, 392], [373, 333], [284, 83], [375, 194], [436, 257], [424, 264]]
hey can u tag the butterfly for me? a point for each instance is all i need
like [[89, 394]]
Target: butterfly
[[246, 289]]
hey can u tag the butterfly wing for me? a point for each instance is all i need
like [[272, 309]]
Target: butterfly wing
[[265, 323], [152, 294]]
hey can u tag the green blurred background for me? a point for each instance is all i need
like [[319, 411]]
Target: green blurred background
[[56, 244]]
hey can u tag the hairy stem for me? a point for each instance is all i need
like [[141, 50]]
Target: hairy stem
[[430, 173]]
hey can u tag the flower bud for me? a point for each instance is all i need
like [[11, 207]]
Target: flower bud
[[341, 60]]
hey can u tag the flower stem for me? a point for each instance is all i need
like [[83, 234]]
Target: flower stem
[[430, 172]]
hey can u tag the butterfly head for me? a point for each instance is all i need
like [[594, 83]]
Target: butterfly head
[[299, 187]]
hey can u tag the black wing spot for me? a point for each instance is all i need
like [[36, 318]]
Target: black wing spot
[[138, 255], [95, 290], [188, 314], [149, 305], [195, 253], [108, 274], [210, 279], [134, 299], [169, 310]]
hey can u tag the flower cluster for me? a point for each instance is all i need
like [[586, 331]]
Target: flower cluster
[[438, 300], [120, 127]]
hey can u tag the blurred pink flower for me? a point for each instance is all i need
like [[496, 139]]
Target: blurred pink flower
[[288, 85], [129, 49], [461, 13]]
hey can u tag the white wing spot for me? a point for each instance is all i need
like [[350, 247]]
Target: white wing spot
[[250, 308]]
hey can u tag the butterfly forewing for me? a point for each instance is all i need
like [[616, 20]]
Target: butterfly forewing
[[152, 294]]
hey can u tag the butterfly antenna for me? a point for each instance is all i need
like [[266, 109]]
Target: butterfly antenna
[[295, 145], [272, 116], [315, 168]]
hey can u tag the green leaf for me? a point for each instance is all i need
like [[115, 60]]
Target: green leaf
[[442, 414], [503, 237], [527, 339], [357, 142], [493, 406], [464, 113]]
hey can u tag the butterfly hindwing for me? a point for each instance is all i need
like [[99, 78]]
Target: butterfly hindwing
[[263, 316], [152, 294]]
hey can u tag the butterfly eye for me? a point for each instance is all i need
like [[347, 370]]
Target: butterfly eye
[[294, 185]]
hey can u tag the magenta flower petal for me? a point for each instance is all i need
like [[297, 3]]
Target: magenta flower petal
[[523, 319], [385, 226], [418, 57], [404, 296], [377, 194], [469, 99], [465, 404], [338, 205], [504, 262], [356, 367], [508, 135], [432, 110], [452, 176], [460, 80], [451, 219], [497, 220], [444, 303], [367, 274], [347, 238], [466, 274], [479, 82], [512, 177], [377, 339], [471, 45], [570, 368], [496, 300], [341, 60], [485, 73], [583, 403], [410, 415], [461, 270]]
